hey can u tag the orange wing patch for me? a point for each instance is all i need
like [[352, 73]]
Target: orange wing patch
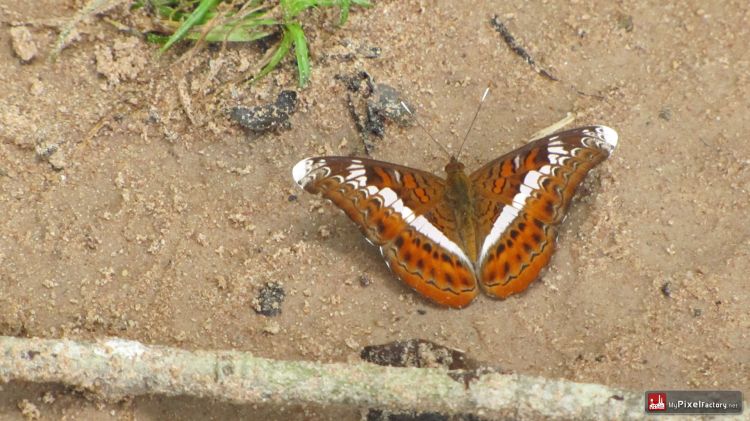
[[430, 269], [518, 257]]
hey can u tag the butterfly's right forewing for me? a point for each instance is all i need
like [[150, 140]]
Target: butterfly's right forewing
[[401, 210], [521, 199]]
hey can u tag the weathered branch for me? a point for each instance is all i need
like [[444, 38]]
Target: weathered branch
[[116, 368]]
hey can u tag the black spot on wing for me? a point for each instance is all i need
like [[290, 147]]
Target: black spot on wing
[[448, 279]]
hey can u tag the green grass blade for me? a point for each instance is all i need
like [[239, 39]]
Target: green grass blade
[[235, 34], [344, 15], [292, 8], [300, 51], [195, 18], [156, 38], [284, 45]]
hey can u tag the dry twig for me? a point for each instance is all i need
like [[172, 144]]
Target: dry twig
[[117, 368]]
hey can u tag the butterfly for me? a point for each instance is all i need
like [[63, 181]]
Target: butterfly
[[493, 229]]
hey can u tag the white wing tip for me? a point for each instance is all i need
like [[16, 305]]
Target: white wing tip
[[608, 135], [300, 170]]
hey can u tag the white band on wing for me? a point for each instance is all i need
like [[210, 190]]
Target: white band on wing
[[507, 216], [422, 225]]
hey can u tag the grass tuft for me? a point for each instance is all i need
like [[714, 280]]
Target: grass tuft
[[248, 21]]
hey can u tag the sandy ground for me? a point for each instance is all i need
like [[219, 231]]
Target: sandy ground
[[166, 219]]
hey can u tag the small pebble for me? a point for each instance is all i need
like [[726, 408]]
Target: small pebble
[[352, 343], [269, 299], [267, 117], [385, 104], [375, 104], [666, 289], [625, 22], [51, 153], [365, 280], [28, 410], [272, 328], [369, 52], [386, 101], [23, 44]]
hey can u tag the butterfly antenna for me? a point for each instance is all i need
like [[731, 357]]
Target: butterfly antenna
[[419, 123], [476, 114]]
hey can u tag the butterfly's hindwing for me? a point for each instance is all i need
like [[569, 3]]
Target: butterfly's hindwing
[[431, 269], [398, 209], [516, 258], [521, 198]]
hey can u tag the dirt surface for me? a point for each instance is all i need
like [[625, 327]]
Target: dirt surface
[[132, 206]]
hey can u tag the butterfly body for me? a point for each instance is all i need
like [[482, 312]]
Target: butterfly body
[[494, 228], [459, 196]]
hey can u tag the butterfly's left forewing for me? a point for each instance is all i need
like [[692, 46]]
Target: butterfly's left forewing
[[523, 196], [402, 210]]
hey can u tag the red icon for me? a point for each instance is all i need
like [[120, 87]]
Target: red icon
[[657, 402]]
